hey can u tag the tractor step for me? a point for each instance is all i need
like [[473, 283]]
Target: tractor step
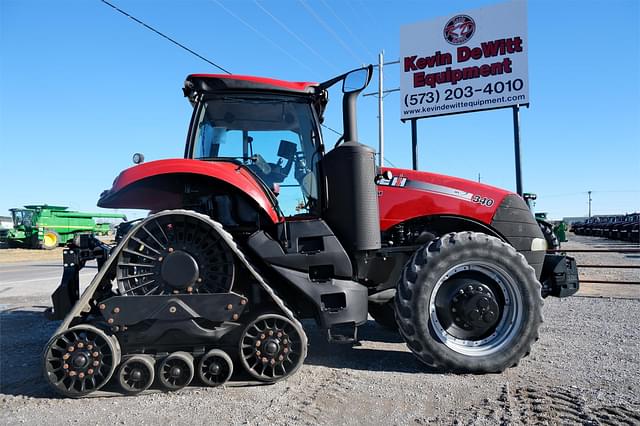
[[343, 333]]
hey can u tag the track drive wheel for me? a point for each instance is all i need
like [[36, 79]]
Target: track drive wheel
[[50, 240], [215, 368], [271, 348], [80, 360], [176, 371], [136, 374], [468, 302]]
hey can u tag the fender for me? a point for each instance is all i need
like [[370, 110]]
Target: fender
[[131, 191]]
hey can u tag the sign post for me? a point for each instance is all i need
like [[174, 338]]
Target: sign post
[[516, 147], [470, 61]]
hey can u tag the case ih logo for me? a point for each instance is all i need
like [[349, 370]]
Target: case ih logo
[[459, 29]]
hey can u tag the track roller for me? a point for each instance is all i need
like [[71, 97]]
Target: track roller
[[271, 348], [80, 360], [136, 374], [215, 368], [176, 370]]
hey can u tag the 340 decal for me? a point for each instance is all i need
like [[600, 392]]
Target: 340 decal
[[483, 201]]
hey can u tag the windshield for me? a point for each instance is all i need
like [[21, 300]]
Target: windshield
[[273, 136], [22, 217]]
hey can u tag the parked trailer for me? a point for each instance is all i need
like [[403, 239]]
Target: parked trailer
[[44, 226]]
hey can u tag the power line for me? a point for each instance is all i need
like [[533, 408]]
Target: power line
[[390, 163], [165, 36], [346, 27], [330, 30], [372, 19], [294, 35], [333, 130], [255, 30], [567, 194]]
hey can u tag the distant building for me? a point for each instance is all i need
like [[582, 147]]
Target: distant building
[[6, 222]]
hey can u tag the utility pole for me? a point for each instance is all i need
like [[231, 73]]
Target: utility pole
[[380, 109], [589, 192], [381, 93], [516, 144]]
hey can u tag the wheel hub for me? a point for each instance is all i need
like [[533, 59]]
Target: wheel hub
[[180, 270], [175, 372], [136, 374], [467, 307], [214, 368], [80, 360], [475, 307], [271, 347]]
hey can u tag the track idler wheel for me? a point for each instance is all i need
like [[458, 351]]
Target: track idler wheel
[[215, 368], [271, 348], [136, 374], [176, 371], [80, 360]]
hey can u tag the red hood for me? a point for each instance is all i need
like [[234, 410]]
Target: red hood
[[129, 189], [414, 194]]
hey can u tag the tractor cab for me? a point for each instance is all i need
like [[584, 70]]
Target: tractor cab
[[276, 139], [271, 127], [22, 218]]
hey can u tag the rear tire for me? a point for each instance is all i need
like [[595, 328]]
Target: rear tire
[[468, 302], [384, 314]]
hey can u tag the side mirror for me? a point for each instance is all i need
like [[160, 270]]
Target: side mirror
[[356, 80], [138, 158]]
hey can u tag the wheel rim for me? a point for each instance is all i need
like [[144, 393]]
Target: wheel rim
[[176, 371], [271, 348], [80, 360], [175, 254], [481, 319], [136, 374], [215, 368], [50, 240]]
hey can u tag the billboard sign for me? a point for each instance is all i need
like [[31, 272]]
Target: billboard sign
[[468, 61]]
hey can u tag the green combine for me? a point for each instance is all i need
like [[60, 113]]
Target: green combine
[[44, 226]]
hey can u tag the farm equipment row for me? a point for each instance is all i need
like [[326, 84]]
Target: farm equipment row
[[259, 226], [616, 227]]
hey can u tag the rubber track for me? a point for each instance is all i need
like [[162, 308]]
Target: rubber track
[[407, 282], [83, 303]]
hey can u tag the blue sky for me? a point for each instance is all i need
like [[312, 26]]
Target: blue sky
[[82, 88]]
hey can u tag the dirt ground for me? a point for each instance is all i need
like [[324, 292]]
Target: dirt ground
[[12, 255], [583, 370]]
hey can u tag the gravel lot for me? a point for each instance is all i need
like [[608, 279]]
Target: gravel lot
[[585, 369]]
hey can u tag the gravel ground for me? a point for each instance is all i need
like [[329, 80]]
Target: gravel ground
[[583, 370]]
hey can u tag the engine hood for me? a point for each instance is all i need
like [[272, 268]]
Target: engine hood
[[158, 185], [413, 193]]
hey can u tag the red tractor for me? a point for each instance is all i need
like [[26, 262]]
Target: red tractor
[[260, 226]]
